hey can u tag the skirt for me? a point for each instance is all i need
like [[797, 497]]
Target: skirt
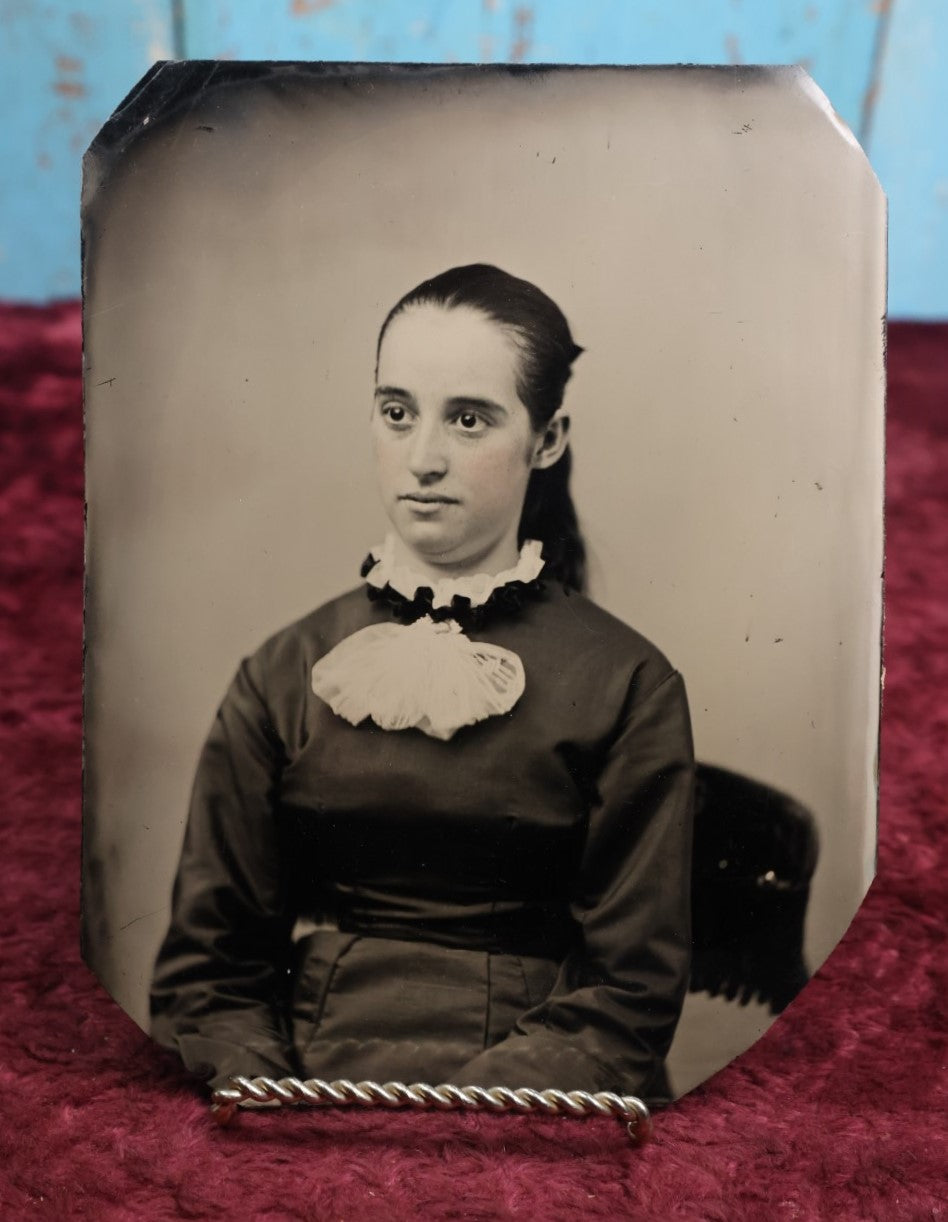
[[391, 1010]]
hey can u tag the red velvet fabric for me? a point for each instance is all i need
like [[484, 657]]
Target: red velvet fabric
[[839, 1112]]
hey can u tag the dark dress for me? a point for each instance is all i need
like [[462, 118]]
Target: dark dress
[[509, 907]]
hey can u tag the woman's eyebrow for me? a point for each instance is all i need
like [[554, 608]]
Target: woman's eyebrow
[[391, 392]]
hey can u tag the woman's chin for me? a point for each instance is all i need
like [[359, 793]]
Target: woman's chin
[[430, 541], [433, 543]]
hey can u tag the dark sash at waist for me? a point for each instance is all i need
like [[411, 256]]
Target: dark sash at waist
[[496, 883], [505, 928]]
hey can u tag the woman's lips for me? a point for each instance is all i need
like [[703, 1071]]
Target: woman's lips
[[423, 505]]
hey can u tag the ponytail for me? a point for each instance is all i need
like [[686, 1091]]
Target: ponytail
[[550, 516]]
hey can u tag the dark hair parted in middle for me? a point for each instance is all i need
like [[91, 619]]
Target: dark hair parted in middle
[[546, 351]]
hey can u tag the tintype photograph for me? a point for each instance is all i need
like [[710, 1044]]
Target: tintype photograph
[[484, 549]]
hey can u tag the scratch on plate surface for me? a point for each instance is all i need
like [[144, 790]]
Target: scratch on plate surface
[[135, 920]]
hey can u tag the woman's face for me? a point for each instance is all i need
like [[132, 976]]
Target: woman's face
[[454, 445]]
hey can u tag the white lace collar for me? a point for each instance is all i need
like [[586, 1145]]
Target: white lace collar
[[476, 588]]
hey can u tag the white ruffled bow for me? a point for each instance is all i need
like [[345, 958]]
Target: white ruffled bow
[[424, 675]]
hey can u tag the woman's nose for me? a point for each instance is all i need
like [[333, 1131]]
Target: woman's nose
[[427, 458]]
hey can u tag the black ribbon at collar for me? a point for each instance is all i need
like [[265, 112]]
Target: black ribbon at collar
[[507, 600]]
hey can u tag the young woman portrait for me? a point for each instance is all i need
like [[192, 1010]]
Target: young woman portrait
[[419, 471], [441, 826]]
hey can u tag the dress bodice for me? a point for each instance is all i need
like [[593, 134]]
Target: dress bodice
[[557, 834]]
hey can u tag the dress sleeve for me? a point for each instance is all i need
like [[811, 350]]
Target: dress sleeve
[[219, 986], [610, 1017]]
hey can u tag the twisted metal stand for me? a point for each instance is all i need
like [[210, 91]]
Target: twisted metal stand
[[259, 1092]]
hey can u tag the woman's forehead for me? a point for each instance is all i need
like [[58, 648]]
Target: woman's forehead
[[451, 350]]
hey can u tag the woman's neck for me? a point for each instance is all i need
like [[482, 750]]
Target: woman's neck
[[497, 559]]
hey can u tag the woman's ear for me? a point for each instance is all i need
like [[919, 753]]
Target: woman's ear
[[552, 442]]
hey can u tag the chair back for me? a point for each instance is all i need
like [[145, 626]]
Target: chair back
[[755, 850]]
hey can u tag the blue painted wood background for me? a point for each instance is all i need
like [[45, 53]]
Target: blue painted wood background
[[64, 64]]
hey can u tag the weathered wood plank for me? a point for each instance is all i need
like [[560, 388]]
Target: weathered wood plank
[[833, 38], [65, 66], [908, 146]]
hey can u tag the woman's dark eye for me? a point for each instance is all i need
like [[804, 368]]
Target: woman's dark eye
[[395, 412], [469, 420]]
